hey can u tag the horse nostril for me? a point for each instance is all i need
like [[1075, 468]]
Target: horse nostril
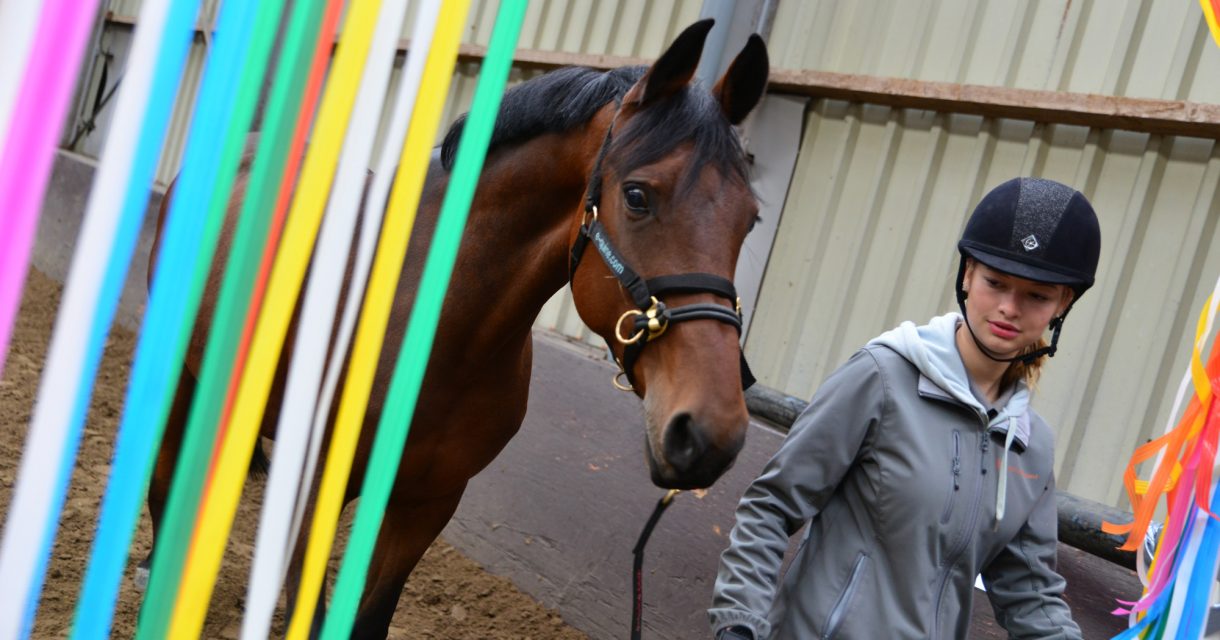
[[684, 442]]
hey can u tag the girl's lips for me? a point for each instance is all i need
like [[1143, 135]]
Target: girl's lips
[[1003, 330]]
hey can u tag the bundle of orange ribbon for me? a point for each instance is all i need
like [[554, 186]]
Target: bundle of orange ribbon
[[1179, 580]]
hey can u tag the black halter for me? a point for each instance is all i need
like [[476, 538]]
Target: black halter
[[652, 317]]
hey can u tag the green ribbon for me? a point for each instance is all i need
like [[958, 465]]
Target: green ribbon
[[395, 422]]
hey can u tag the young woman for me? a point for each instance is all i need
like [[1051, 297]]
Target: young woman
[[919, 464]]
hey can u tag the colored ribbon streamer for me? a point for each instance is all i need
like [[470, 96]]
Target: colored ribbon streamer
[[136, 443], [29, 150], [296, 450], [18, 23], [391, 251], [274, 223], [158, 55], [413, 356], [1178, 581], [316, 320], [317, 72], [228, 96], [1211, 8], [25, 166], [1169, 446], [285, 280]]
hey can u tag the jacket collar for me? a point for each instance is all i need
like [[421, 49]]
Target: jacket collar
[[997, 423]]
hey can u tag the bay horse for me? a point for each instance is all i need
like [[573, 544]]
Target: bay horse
[[645, 169]]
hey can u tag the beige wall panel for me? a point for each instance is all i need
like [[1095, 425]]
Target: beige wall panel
[[628, 28], [207, 8], [877, 204], [124, 7], [180, 119], [1138, 48], [624, 28]]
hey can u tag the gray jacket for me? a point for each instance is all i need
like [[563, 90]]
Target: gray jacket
[[894, 466]]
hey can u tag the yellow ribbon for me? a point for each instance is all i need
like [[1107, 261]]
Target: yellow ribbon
[[292, 259], [375, 312]]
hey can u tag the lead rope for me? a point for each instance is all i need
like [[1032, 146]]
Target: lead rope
[[637, 582]]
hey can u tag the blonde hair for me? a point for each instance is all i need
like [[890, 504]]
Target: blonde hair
[[1029, 372]]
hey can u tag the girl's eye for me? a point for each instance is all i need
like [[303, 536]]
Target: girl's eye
[[635, 199], [995, 284]]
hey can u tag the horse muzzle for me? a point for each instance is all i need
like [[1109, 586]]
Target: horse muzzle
[[688, 457]]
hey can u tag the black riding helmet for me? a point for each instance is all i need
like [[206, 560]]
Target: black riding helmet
[[1035, 229]]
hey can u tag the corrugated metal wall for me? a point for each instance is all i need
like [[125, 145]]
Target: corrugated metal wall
[[1139, 48], [117, 40], [880, 196]]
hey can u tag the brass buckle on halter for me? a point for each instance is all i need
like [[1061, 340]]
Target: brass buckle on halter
[[585, 218], [656, 326], [739, 307]]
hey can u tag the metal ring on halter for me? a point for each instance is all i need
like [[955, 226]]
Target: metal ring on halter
[[618, 326], [584, 221], [620, 386]]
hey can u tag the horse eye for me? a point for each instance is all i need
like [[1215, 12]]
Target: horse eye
[[636, 199]]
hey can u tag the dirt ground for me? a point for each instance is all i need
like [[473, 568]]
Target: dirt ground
[[448, 596]]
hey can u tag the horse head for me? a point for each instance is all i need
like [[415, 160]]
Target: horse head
[[667, 208]]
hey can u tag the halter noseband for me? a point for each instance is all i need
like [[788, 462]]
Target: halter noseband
[[652, 317]]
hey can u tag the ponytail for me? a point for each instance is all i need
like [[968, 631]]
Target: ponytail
[[1018, 370]]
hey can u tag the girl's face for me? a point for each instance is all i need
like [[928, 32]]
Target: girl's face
[[1008, 313]]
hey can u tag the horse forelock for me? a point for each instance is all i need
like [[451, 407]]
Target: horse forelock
[[690, 116]]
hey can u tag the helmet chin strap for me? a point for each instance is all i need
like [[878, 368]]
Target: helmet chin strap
[[1049, 351]]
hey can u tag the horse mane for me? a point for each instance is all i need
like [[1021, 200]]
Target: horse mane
[[555, 102], [568, 97]]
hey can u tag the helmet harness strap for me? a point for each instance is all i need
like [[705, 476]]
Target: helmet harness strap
[[1049, 351]]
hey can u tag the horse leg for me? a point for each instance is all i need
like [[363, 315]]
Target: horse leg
[[406, 533], [167, 458]]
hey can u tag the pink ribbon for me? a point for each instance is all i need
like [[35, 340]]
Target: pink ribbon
[[26, 160]]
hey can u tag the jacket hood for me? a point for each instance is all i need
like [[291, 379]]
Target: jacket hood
[[932, 348]]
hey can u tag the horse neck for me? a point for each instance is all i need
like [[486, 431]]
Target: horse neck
[[517, 240]]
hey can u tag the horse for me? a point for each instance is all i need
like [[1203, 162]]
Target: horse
[[638, 163]]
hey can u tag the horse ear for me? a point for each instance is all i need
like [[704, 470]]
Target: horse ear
[[674, 69], [743, 84]]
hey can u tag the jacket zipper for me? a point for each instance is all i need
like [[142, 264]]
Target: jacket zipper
[[840, 608], [957, 472], [964, 536]]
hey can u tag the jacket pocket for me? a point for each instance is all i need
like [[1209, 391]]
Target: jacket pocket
[[844, 603], [955, 478]]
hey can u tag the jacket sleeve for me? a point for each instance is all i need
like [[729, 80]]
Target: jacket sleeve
[[1022, 584], [822, 445]]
